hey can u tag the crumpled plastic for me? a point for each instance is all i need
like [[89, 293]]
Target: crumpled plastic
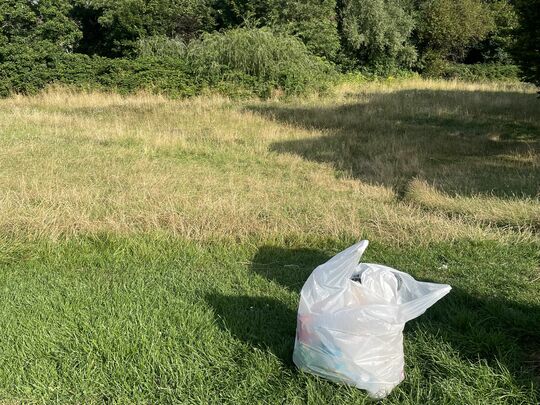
[[351, 318]]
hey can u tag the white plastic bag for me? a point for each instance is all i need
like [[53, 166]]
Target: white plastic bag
[[351, 331]]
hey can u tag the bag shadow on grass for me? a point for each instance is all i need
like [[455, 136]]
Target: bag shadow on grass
[[264, 322], [496, 331], [261, 322]]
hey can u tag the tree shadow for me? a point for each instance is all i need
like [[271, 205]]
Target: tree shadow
[[477, 328], [462, 142]]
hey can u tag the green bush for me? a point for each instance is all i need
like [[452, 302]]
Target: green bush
[[238, 62], [313, 21], [448, 28], [168, 76], [112, 28], [33, 34], [260, 59], [161, 46], [31, 22], [26, 69], [497, 46], [246, 61], [30, 73], [473, 72]]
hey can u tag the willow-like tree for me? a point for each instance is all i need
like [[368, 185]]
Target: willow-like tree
[[376, 32]]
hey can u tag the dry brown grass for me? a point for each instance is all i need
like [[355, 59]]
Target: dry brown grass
[[517, 212], [74, 163]]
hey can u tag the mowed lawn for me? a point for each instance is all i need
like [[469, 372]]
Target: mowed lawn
[[153, 250]]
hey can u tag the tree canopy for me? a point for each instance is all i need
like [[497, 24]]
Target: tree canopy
[[37, 36]]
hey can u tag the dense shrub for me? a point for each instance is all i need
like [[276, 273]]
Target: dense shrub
[[473, 72], [172, 46], [34, 22], [33, 35], [497, 45], [448, 28], [26, 69], [261, 58], [168, 76], [161, 46], [28, 74], [313, 21], [247, 59], [237, 62], [112, 28]]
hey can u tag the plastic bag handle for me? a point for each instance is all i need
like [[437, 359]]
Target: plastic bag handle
[[336, 272]]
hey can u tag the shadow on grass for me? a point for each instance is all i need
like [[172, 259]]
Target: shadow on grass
[[265, 322], [495, 331], [262, 322], [463, 142]]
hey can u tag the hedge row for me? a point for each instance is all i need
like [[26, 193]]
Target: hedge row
[[474, 72], [239, 61]]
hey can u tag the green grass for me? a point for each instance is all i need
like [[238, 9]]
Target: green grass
[[153, 250], [159, 320]]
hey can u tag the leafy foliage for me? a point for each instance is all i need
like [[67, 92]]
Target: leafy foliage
[[527, 49], [256, 47], [496, 47], [477, 72], [246, 60], [161, 46], [33, 36], [313, 21], [447, 28], [28, 22], [112, 28], [162, 75], [268, 60], [377, 32], [238, 62]]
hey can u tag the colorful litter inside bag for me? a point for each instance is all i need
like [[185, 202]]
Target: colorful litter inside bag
[[351, 318]]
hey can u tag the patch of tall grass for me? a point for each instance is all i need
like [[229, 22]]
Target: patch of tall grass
[[73, 163], [518, 212]]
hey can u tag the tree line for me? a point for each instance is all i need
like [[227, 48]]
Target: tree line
[[72, 41]]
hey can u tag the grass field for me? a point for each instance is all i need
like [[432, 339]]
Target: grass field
[[152, 251]]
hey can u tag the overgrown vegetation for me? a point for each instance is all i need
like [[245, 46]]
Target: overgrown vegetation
[[238, 62], [258, 56], [152, 250], [477, 72], [527, 49], [376, 33], [100, 44]]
